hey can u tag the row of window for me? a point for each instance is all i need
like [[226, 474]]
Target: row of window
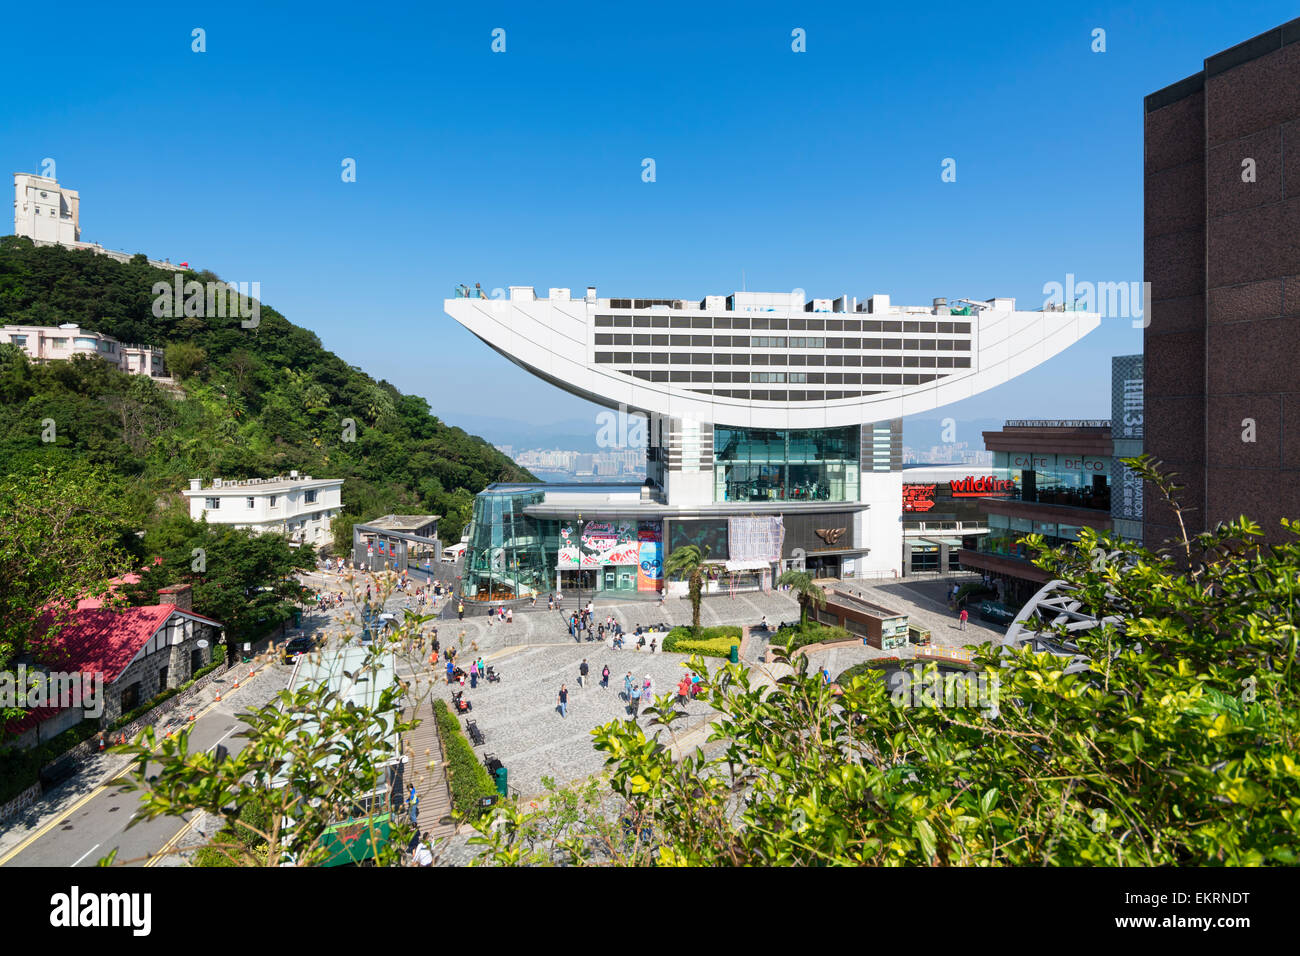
[[783, 395], [833, 361], [781, 342], [776, 325], [214, 504], [702, 378]]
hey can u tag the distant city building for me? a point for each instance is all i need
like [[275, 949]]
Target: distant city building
[[50, 215], [44, 343], [300, 508]]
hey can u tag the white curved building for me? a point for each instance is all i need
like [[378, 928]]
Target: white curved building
[[767, 403]]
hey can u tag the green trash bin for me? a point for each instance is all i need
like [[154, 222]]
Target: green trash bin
[[735, 653], [501, 782]]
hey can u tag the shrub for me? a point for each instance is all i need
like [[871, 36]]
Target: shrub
[[470, 781], [707, 642], [19, 769], [812, 633]]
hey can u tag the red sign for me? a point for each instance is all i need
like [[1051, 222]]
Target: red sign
[[918, 497], [981, 487]]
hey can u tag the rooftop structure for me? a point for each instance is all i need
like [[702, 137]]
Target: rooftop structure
[[768, 360]]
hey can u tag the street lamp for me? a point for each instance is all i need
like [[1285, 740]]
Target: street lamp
[[578, 536]]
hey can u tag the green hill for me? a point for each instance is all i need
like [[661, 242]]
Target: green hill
[[249, 402]]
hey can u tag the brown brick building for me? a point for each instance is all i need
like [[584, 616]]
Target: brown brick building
[[1222, 254]]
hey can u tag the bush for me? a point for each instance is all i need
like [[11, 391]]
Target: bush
[[812, 633], [19, 769], [470, 781], [707, 642]]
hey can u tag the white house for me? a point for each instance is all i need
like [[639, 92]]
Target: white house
[[299, 507]]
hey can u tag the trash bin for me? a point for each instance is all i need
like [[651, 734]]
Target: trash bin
[[501, 782], [735, 653], [297, 618]]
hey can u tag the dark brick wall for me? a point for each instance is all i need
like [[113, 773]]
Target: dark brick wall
[[1223, 260]]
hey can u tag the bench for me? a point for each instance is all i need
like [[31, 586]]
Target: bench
[[476, 735]]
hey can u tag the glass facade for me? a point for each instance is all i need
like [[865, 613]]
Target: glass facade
[[1078, 481], [512, 555], [816, 464], [506, 555]]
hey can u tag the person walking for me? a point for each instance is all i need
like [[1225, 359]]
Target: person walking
[[423, 855], [627, 687], [634, 704], [582, 673], [550, 602], [510, 616], [647, 690], [684, 689], [964, 616], [414, 808], [460, 610], [473, 675], [604, 677], [563, 700]]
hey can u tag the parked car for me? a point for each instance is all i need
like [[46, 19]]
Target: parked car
[[299, 645]]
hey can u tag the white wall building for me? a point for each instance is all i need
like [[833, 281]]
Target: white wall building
[[44, 211], [44, 343], [50, 215], [299, 507], [771, 402]]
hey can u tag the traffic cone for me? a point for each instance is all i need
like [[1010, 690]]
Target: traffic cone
[[123, 740], [218, 693], [191, 717], [236, 687], [101, 743]]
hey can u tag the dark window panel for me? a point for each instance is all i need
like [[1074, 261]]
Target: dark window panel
[[835, 360], [604, 358], [911, 361], [701, 376], [680, 376], [961, 328], [658, 375], [704, 341], [817, 360], [891, 345], [872, 361], [659, 358], [622, 321], [680, 321], [622, 338], [722, 358], [702, 358], [701, 322], [641, 339], [961, 345], [604, 321], [945, 361], [927, 361], [961, 361], [854, 360], [659, 338], [680, 358], [798, 360], [659, 321], [835, 343], [604, 338], [892, 361], [623, 358], [641, 321]]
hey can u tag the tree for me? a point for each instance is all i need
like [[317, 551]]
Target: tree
[[243, 579], [687, 563], [184, 359], [61, 537], [807, 592], [1175, 746]]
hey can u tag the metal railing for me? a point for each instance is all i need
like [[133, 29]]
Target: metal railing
[[1057, 423]]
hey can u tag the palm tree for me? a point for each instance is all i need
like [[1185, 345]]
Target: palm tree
[[687, 562], [808, 592]]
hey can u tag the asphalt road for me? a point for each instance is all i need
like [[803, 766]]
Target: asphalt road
[[97, 824]]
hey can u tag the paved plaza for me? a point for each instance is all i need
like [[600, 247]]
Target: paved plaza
[[535, 654]]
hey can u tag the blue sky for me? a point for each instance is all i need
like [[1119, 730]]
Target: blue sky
[[816, 170]]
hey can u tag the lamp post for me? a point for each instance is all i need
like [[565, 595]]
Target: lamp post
[[578, 536]]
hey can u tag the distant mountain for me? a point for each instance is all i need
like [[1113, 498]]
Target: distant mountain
[[250, 401], [923, 433]]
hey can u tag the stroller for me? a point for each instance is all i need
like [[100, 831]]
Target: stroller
[[490, 674], [459, 704]]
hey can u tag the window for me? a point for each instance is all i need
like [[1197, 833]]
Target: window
[[311, 497], [274, 499], [251, 503], [18, 339], [212, 504], [798, 342]]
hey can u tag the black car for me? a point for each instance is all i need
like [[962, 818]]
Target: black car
[[299, 645]]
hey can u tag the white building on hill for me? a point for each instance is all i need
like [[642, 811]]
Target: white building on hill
[[299, 507]]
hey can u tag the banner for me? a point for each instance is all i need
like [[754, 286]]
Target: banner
[[650, 569], [754, 538], [601, 543]]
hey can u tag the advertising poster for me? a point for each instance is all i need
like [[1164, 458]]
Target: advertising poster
[[650, 569], [601, 543]]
